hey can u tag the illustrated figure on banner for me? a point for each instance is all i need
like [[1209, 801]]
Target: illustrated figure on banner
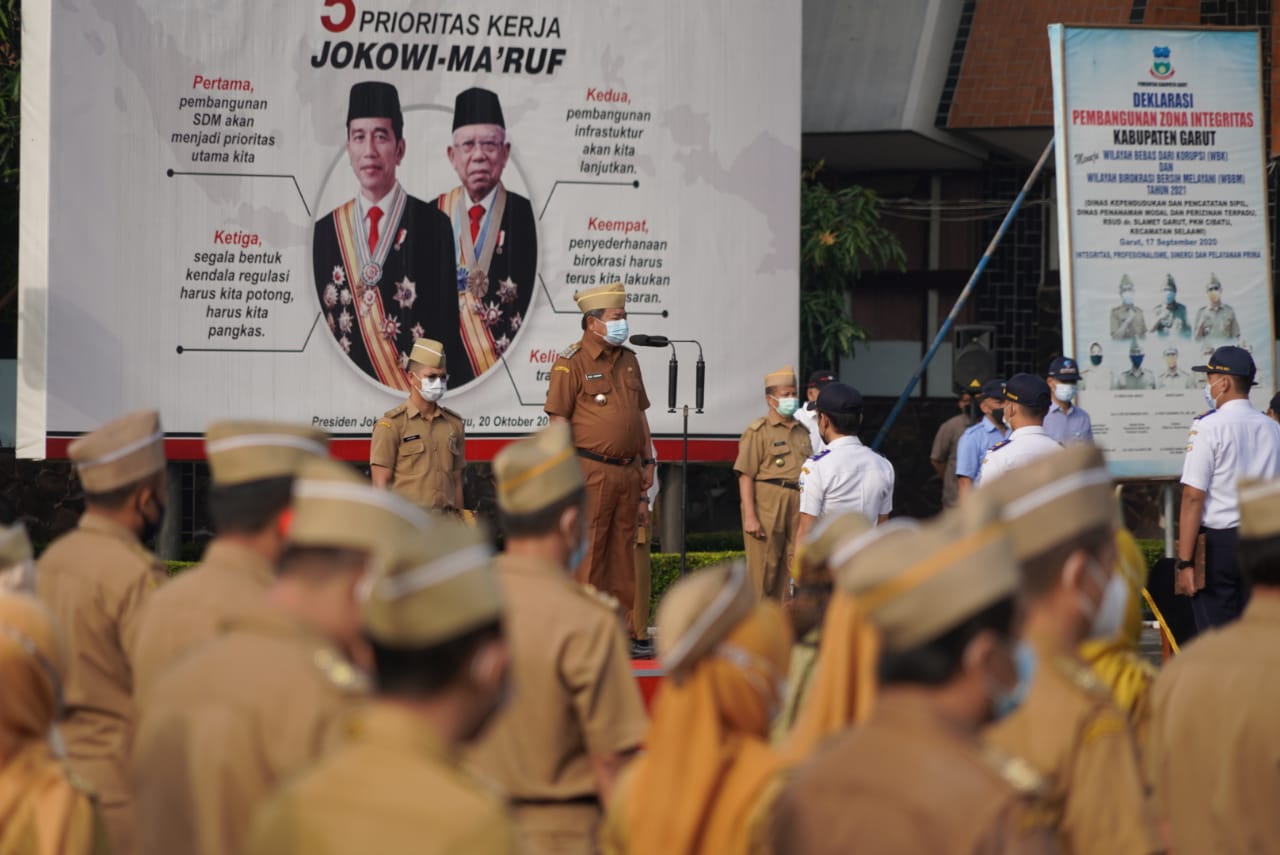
[[1127, 320], [1135, 376], [1170, 315], [383, 260], [495, 245], [1216, 320], [1095, 376], [1174, 377]]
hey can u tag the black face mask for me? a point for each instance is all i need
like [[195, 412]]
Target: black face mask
[[1095, 358], [998, 415], [151, 528]]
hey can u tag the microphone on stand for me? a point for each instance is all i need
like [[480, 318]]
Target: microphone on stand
[[701, 381], [673, 371], [641, 340]]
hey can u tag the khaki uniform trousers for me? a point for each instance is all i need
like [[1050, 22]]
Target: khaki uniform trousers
[[613, 504], [769, 560], [558, 829]]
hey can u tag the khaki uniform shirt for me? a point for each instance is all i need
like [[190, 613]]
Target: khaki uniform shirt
[[96, 580], [1070, 731], [395, 787], [945, 443], [574, 691], [773, 448], [910, 781], [1213, 753], [223, 727], [1219, 322], [422, 452], [196, 606], [599, 390]]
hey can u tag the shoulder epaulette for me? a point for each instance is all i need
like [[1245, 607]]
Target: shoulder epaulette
[[1081, 676], [594, 594], [1202, 415], [757, 424], [569, 351], [821, 454], [999, 445], [1016, 772], [395, 411], [340, 673]]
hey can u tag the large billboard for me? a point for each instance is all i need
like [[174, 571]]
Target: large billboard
[[252, 209], [1162, 226]]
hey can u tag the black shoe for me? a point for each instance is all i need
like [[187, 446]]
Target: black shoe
[[641, 649]]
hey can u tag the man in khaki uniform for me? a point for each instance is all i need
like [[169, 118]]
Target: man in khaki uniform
[[771, 452], [252, 465], [577, 715], [433, 617], [256, 704], [915, 777], [1213, 748], [596, 387], [96, 580], [418, 449], [1062, 514]]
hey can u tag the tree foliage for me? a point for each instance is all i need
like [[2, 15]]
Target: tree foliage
[[841, 237]]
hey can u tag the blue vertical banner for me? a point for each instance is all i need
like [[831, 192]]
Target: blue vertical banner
[[1162, 226]]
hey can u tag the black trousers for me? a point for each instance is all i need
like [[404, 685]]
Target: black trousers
[[1225, 593]]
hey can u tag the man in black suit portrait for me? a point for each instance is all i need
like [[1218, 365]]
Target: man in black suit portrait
[[384, 260], [495, 245]]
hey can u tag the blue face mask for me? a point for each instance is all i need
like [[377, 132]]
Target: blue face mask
[[1025, 662], [787, 406], [616, 331], [579, 552], [1136, 359], [1170, 298]]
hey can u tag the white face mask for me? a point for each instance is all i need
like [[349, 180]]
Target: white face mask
[[1208, 397], [1108, 615], [432, 388], [1065, 392]]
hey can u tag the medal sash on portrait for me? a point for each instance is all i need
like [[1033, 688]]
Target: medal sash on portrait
[[364, 272], [474, 262]]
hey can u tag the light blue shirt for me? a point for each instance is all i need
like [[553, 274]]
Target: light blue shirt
[[974, 445], [1075, 426]]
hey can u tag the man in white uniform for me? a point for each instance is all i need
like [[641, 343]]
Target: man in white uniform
[[807, 415], [1226, 444], [1026, 403], [847, 476]]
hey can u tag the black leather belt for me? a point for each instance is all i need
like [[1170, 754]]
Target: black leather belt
[[586, 801], [602, 458], [781, 482]]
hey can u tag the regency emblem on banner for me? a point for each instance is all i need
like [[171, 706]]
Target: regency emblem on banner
[[1162, 68]]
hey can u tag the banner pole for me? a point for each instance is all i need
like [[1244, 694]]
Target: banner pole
[[945, 329]]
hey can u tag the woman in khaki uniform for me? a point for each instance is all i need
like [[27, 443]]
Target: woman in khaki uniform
[[44, 809], [708, 777]]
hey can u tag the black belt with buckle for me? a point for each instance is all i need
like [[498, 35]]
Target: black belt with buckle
[[603, 458], [781, 482], [585, 801]]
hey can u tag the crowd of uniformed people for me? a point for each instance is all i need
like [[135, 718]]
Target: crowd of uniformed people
[[351, 668]]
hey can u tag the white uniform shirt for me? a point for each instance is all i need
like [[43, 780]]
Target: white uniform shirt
[[847, 476], [1224, 445], [809, 418], [1023, 445]]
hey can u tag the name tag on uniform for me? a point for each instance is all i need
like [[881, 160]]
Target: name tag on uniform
[[595, 376], [415, 436]]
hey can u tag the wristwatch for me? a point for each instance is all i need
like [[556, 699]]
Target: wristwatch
[[1183, 564]]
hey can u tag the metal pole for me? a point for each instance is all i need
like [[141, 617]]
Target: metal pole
[[1170, 549], [945, 330], [684, 494]]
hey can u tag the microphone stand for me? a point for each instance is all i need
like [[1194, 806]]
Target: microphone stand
[[700, 378]]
